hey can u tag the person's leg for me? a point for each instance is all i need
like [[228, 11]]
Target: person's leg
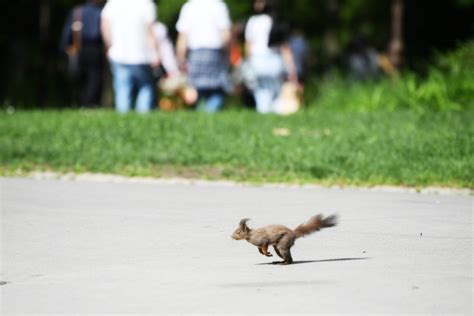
[[92, 93], [146, 88], [215, 101], [263, 100], [276, 89], [201, 103], [97, 75], [267, 69], [92, 63], [123, 86], [79, 80]]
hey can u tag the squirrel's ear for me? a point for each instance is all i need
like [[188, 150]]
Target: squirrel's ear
[[243, 223]]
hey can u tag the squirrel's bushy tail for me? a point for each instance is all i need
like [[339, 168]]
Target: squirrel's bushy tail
[[315, 223]]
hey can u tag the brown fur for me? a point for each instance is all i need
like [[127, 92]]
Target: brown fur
[[280, 237]]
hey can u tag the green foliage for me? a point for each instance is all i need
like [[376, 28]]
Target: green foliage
[[448, 85], [326, 147], [168, 10], [465, 3]]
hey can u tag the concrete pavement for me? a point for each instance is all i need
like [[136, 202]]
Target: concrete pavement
[[100, 247]]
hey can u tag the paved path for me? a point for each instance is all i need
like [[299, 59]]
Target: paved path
[[92, 247]]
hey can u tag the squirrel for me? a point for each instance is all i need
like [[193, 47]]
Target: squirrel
[[281, 237]]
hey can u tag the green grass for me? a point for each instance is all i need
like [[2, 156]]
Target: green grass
[[448, 85], [402, 147]]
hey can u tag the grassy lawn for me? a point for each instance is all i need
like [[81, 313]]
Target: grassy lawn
[[397, 148]]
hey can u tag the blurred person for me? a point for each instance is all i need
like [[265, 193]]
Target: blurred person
[[236, 43], [166, 51], [81, 41], [363, 60], [175, 92], [133, 51], [269, 56], [300, 50], [203, 34], [238, 65]]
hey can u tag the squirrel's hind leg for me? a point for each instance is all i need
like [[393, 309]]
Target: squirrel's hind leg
[[278, 252], [284, 245], [286, 255]]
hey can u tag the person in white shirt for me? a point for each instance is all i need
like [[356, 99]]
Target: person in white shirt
[[204, 32], [127, 29], [268, 55]]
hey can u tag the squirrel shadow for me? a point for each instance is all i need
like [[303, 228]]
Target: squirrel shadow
[[313, 261]]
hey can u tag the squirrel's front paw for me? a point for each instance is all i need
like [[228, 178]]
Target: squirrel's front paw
[[268, 254]]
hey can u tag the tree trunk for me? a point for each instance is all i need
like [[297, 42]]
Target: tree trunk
[[330, 40], [44, 23], [396, 46]]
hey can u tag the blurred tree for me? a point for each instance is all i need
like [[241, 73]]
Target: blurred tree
[[44, 24], [396, 45], [465, 3], [331, 42]]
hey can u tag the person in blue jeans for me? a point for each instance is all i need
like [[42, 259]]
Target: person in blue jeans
[[268, 55], [126, 78], [127, 29]]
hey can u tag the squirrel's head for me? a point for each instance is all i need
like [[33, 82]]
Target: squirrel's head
[[242, 231]]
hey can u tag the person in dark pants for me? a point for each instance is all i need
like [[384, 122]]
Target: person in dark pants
[[82, 41]]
